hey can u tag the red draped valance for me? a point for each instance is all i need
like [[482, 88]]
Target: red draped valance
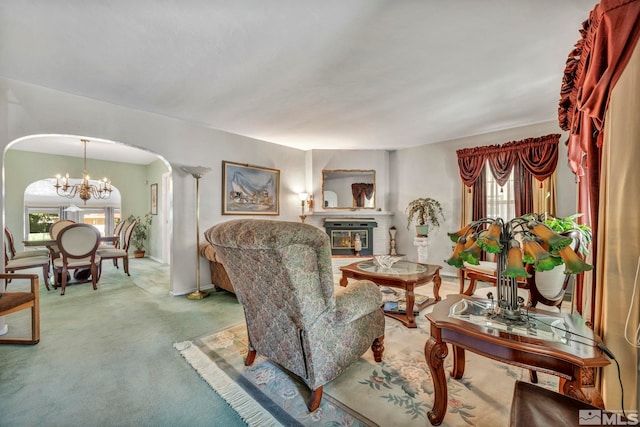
[[538, 156], [607, 41]]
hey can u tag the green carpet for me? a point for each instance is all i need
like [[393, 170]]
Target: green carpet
[[105, 356]]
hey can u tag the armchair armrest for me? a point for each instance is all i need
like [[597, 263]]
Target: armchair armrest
[[356, 300], [33, 278]]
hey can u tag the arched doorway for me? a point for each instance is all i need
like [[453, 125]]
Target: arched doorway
[[132, 170]]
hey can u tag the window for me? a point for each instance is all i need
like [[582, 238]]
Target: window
[[500, 200], [44, 207], [40, 219]]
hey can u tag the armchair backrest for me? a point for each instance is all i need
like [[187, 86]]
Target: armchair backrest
[[285, 266], [281, 274]]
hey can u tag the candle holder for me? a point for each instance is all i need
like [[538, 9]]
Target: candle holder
[[303, 199], [392, 243]]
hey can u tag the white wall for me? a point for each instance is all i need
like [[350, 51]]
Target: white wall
[[432, 171], [27, 110], [401, 176]]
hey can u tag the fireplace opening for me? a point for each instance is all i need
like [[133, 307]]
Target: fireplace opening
[[343, 231]]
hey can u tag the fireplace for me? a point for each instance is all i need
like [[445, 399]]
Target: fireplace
[[343, 231]]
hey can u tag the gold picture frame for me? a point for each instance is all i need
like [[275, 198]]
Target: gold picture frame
[[249, 189]]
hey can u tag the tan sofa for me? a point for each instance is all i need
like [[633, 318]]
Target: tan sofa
[[219, 276]]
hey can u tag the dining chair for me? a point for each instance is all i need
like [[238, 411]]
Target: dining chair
[[78, 244], [58, 226], [54, 230], [25, 263], [21, 254], [115, 254], [14, 301], [114, 241]]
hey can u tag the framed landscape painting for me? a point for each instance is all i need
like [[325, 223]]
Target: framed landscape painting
[[250, 190]]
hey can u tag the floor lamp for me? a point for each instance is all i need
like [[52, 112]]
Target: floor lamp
[[197, 172]]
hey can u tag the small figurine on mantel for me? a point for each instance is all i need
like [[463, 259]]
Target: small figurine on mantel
[[357, 245]]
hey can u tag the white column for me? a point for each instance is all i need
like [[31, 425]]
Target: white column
[[421, 244]]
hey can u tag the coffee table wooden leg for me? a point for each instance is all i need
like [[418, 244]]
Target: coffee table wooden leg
[[435, 351], [410, 301], [343, 280]]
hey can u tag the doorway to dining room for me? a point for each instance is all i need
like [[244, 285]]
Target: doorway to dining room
[[132, 171]]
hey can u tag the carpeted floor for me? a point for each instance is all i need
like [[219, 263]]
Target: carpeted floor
[[398, 391], [106, 359]]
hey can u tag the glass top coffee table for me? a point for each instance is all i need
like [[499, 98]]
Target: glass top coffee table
[[405, 275]]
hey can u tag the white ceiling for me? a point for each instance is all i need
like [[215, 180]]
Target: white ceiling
[[332, 74]]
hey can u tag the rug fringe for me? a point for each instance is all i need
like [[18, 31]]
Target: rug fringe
[[248, 409]]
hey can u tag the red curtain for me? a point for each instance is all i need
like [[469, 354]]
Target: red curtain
[[536, 157], [608, 38], [360, 192]]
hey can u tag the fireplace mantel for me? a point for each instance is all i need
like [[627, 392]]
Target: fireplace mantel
[[381, 237]]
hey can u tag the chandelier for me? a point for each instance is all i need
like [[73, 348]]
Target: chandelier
[[84, 189]]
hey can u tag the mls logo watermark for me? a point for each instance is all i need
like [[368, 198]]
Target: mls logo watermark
[[596, 417]]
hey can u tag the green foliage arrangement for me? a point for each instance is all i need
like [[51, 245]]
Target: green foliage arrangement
[[141, 232], [424, 211], [568, 223]]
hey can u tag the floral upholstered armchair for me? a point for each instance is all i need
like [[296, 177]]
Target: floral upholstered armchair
[[281, 273]]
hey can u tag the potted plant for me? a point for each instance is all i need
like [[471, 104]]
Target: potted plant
[[140, 233], [425, 212], [552, 282]]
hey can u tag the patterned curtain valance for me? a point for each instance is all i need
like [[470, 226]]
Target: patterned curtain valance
[[539, 156]]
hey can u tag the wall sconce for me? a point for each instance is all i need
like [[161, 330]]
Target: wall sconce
[[303, 200]]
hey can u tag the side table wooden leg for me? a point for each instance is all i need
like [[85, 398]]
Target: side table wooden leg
[[435, 352], [583, 387], [437, 281], [458, 362]]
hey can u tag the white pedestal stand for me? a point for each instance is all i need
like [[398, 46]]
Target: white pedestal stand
[[421, 244]]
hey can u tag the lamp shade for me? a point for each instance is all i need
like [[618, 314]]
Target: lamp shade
[[196, 171]]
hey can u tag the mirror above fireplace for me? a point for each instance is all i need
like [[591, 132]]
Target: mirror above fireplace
[[349, 189]]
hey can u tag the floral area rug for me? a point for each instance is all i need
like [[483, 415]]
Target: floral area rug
[[397, 391]]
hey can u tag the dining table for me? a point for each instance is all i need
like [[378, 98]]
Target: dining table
[[45, 240]]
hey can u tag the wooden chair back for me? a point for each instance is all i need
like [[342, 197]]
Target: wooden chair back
[[128, 232], [58, 226], [10, 242]]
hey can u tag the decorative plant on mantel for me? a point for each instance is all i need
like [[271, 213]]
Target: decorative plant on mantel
[[424, 211], [140, 233]]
